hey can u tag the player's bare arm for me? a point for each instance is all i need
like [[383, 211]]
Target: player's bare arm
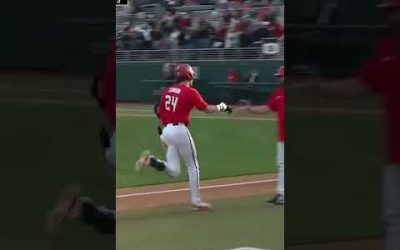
[[222, 107], [260, 109]]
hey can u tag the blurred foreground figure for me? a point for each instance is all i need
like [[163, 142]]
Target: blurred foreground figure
[[71, 204], [381, 75]]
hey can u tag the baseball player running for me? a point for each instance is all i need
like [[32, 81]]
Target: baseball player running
[[174, 109], [276, 103]]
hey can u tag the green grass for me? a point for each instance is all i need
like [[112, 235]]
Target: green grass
[[233, 223], [225, 147]]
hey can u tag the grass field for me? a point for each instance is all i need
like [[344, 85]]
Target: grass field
[[228, 145], [234, 223]]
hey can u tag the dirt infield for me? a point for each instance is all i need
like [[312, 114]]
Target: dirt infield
[[177, 193]]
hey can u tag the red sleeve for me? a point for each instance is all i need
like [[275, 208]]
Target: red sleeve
[[198, 101], [271, 102]]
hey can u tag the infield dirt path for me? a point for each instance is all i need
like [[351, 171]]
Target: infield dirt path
[[177, 193]]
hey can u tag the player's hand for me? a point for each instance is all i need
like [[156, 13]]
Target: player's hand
[[159, 130], [222, 107], [229, 109]]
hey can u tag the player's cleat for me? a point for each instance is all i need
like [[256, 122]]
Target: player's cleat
[[67, 207], [278, 199], [201, 206], [143, 161]]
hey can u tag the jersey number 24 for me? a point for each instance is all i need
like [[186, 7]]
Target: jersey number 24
[[170, 102]]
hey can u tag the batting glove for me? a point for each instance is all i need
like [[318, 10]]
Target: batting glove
[[222, 107]]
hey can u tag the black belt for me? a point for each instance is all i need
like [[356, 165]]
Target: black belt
[[173, 124]]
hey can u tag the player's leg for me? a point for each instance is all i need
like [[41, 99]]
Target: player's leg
[[391, 206], [71, 205], [188, 152], [279, 198], [98, 217], [280, 161], [172, 164]]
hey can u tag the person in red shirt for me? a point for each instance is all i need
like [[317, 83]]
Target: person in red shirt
[[381, 75], [276, 28], [276, 103], [233, 76], [175, 106]]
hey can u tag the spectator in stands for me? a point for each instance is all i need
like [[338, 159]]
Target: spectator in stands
[[163, 44], [185, 39], [168, 22], [168, 69], [246, 37], [202, 35], [231, 24], [260, 32], [183, 20], [233, 76], [220, 34], [275, 28], [232, 39], [145, 33]]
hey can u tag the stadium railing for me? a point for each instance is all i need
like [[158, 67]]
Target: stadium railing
[[212, 54]]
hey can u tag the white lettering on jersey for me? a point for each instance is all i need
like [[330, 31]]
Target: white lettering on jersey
[[174, 90], [170, 101]]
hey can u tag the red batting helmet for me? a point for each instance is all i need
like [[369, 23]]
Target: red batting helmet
[[389, 4], [184, 72], [280, 71]]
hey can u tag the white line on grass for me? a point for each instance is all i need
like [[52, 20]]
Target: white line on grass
[[206, 117], [204, 187]]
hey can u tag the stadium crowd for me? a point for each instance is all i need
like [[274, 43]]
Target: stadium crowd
[[194, 24]]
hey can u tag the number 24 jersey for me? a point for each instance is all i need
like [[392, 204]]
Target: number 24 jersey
[[177, 102]]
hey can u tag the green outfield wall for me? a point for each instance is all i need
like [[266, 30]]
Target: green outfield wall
[[140, 82]]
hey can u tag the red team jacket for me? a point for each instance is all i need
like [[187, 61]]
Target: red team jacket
[[382, 75], [176, 103], [276, 103]]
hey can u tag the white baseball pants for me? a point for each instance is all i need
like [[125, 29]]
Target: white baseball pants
[[280, 163], [180, 145]]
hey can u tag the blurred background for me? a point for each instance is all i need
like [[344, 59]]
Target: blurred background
[[235, 47]]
